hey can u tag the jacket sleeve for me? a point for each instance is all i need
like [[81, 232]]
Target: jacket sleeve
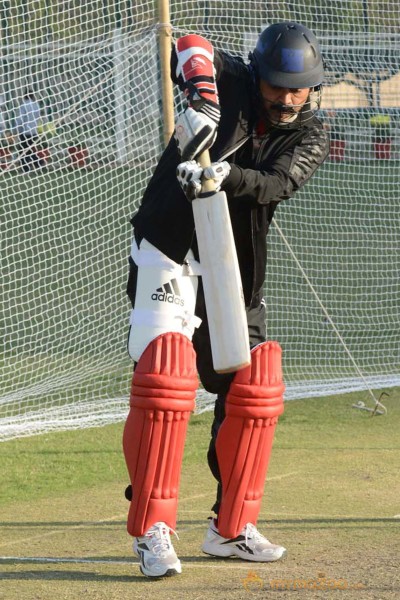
[[282, 176]]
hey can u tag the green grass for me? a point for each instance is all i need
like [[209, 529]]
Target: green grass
[[75, 459], [332, 498]]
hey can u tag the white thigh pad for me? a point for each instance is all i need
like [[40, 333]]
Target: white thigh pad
[[165, 297]]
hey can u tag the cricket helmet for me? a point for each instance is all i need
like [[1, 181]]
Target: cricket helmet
[[288, 55]]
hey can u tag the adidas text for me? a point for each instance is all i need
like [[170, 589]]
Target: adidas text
[[170, 298]]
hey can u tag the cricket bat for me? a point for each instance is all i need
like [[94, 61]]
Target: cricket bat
[[222, 282]]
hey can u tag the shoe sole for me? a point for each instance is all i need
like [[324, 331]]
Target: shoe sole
[[168, 573], [227, 553]]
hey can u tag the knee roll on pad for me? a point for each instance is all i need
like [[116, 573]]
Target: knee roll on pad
[[244, 441], [162, 397]]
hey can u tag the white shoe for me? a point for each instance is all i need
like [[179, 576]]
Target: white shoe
[[248, 545], [156, 552]]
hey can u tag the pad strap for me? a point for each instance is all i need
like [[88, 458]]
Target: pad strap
[[244, 441], [163, 394]]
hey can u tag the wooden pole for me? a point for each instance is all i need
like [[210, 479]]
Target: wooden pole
[[165, 45]]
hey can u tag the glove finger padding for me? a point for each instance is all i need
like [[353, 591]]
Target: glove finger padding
[[189, 175], [218, 171]]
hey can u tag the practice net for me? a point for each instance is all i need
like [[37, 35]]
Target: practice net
[[67, 197]]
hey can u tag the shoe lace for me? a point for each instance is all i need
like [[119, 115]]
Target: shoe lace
[[252, 533], [159, 538]]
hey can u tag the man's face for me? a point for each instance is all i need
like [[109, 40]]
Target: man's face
[[281, 105]]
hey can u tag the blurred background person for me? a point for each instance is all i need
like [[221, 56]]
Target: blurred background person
[[28, 120]]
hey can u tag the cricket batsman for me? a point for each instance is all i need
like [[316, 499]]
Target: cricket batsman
[[257, 119]]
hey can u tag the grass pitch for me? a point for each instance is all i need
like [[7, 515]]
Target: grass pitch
[[332, 498]]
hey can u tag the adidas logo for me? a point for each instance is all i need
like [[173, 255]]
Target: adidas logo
[[169, 292]]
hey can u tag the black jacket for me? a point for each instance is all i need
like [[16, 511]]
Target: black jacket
[[265, 169]]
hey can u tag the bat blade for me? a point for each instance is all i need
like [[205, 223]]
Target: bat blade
[[222, 283]]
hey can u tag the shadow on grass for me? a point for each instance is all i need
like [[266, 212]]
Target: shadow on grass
[[74, 575], [56, 575]]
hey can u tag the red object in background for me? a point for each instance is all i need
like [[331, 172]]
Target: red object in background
[[5, 158], [43, 155], [337, 149], [78, 156], [383, 150]]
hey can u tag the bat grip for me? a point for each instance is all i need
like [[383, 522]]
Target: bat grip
[[204, 160]]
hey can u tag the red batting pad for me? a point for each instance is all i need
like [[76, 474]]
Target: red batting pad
[[163, 395], [244, 441]]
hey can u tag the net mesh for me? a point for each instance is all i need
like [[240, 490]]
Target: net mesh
[[68, 191]]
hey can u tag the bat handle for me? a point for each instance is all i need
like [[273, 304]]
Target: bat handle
[[204, 160]]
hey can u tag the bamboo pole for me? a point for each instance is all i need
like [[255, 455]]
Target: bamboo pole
[[165, 45]]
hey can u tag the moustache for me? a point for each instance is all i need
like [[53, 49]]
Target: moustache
[[283, 108]]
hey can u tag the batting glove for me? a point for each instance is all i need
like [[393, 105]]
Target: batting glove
[[217, 171], [189, 175], [196, 127], [194, 133]]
